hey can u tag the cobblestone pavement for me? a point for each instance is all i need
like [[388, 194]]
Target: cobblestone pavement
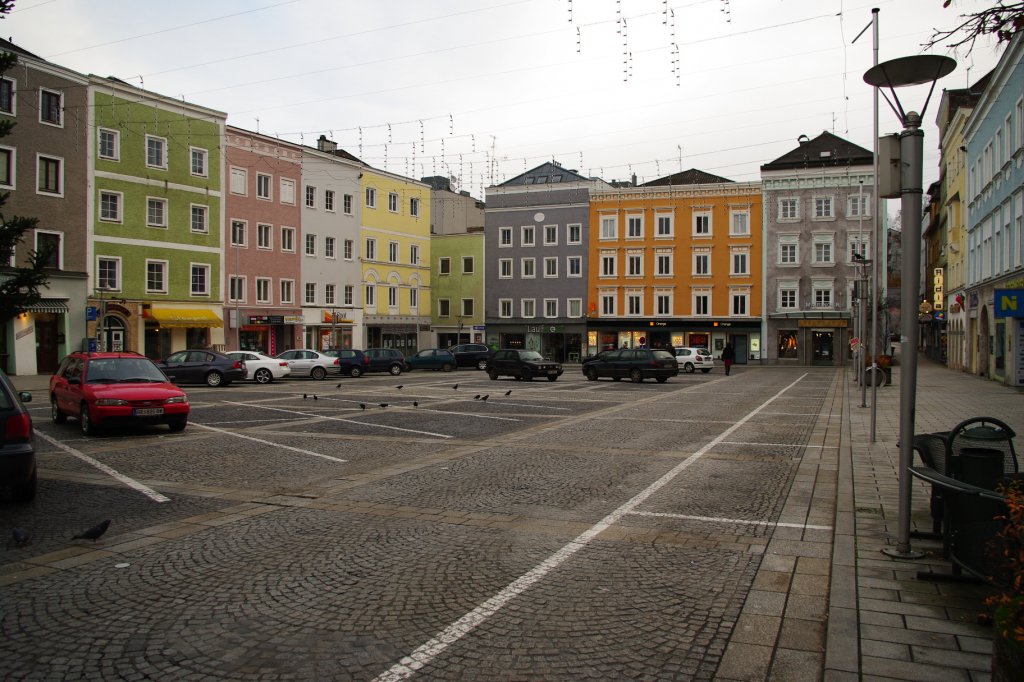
[[567, 530]]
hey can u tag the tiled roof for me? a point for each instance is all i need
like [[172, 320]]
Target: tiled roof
[[545, 174], [687, 177], [826, 150]]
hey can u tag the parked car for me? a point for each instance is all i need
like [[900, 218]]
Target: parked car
[[350, 361], [432, 358], [471, 355], [692, 359], [17, 442], [304, 362], [386, 360], [115, 389], [260, 368], [201, 366], [635, 364], [522, 364]]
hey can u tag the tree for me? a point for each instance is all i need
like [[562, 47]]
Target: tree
[[19, 284], [1003, 20]]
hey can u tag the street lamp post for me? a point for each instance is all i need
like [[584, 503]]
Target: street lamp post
[[893, 74]]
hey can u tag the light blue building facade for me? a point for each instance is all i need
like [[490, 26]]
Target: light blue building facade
[[994, 136]]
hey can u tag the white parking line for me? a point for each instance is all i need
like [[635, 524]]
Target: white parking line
[[339, 419], [426, 652], [130, 482], [269, 442], [717, 519]]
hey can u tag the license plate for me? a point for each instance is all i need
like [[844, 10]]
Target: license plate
[[147, 411], [552, 371]]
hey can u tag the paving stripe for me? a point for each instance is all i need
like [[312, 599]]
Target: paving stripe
[[268, 442], [783, 445], [339, 419], [426, 652], [130, 482], [718, 519]]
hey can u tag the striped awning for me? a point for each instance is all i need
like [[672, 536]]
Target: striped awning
[[186, 317], [49, 305]]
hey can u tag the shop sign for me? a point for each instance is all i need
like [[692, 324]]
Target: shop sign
[[293, 319], [972, 300], [545, 328], [812, 322], [1009, 303], [938, 284]]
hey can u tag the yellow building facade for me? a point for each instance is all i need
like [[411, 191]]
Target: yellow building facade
[[395, 257], [676, 265]]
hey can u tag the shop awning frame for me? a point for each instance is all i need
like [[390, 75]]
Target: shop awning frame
[[49, 305], [185, 317]]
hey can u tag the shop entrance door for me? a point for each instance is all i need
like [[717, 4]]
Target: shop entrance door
[[739, 345], [46, 345], [821, 344]]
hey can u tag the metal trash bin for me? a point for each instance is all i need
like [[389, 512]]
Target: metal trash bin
[[982, 467]]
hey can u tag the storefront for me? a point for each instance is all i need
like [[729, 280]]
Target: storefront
[[809, 340], [453, 336], [35, 341], [168, 329], [558, 342], [403, 332], [745, 336], [270, 333]]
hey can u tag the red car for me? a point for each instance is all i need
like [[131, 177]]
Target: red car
[[115, 389]]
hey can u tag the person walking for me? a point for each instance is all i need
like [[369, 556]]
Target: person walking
[[728, 357]]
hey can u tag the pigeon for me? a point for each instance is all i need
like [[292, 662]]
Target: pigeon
[[455, 387], [20, 537], [400, 387], [362, 406], [415, 404], [383, 404], [338, 386], [508, 392], [314, 397], [304, 396], [476, 397], [94, 533], [483, 398]]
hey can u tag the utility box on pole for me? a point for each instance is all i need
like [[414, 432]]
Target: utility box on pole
[[889, 166]]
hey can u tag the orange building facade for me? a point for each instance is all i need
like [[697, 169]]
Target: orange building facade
[[676, 265]]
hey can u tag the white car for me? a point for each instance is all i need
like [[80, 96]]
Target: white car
[[259, 367], [692, 359]]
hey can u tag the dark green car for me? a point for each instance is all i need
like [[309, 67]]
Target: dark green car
[[633, 364], [437, 359]]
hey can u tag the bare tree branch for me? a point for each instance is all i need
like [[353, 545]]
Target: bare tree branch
[[1002, 20]]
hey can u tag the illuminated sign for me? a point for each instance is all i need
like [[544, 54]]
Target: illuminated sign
[[1009, 303], [938, 289]]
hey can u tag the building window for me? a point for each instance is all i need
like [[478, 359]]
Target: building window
[[263, 186], [529, 307], [7, 101], [110, 206], [199, 219], [414, 254], [49, 107], [634, 305], [634, 227], [444, 265], [467, 265], [198, 161], [504, 268], [49, 245], [287, 191], [349, 295], [329, 200], [310, 196], [575, 231], [504, 307], [665, 227], [50, 175], [200, 280], [823, 208], [634, 265], [288, 239], [156, 212], [739, 304], [392, 297], [504, 236], [310, 293], [444, 307], [822, 252], [608, 266], [551, 267], [664, 264], [263, 289], [467, 307], [702, 224], [310, 244], [609, 227], [739, 224], [287, 291], [108, 274], [264, 236], [156, 277], [371, 249], [346, 204], [702, 264], [789, 209], [663, 304], [787, 297], [608, 304], [822, 297], [156, 152], [329, 247], [702, 303], [575, 307], [414, 207], [371, 197], [109, 144], [7, 167], [529, 268], [330, 293], [789, 251], [238, 233], [528, 235], [393, 202], [236, 289], [739, 263], [550, 235], [574, 265], [550, 307], [239, 181], [858, 206], [788, 344], [858, 248]]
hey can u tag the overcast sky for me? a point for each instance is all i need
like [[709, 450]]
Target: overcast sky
[[483, 89]]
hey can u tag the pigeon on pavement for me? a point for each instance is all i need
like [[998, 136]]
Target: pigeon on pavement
[[20, 537], [362, 406], [508, 392], [476, 397], [400, 387], [338, 386], [456, 387], [484, 398], [303, 396], [383, 404], [95, 532], [415, 404], [314, 397]]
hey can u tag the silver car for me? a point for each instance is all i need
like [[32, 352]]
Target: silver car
[[304, 362]]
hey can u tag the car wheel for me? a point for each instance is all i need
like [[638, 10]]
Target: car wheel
[[705, 371], [178, 424], [553, 378], [636, 376], [493, 374], [263, 376], [662, 380], [318, 373], [688, 368], [527, 374], [214, 379], [85, 419], [56, 415], [591, 374], [446, 367], [355, 372], [27, 490], [481, 365], [395, 370]]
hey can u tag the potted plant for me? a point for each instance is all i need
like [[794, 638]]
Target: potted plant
[[1008, 605]]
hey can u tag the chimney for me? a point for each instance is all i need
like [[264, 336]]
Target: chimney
[[634, 179], [325, 145]]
